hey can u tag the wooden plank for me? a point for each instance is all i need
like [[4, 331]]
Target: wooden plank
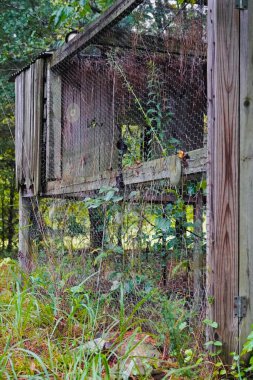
[[19, 126], [246, 168], [108, 149], [38, 120], [54, 125], [83, 122], [32, 110], [89, 81], [97, 130], [117, 11], [223, 156], [68, 117], [26, 133], [162, 168]]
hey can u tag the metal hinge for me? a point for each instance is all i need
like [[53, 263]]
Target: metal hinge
[[241, 4], [240, 307]]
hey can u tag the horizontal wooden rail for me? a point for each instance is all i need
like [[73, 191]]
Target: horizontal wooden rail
[[150, 171]]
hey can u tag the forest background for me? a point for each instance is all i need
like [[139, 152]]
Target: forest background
[[27, 28]]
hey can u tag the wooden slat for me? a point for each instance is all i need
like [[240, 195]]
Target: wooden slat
[[115, 12], [32, 110], [87, 90], [163, 168], [19, 126], [83, 123], [38, 119], [108, 129], [223, 177], [26, 134], [29, 93], [246, 168], [54, 125]]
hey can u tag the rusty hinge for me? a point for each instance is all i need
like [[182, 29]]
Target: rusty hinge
[[240, 307], [241, 4]]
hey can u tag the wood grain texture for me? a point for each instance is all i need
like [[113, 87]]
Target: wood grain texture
[[29, 114], [54, 125], [19, 127], [37, 125], [246, 168], [223, 168]]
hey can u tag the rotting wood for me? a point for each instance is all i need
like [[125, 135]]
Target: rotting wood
[[149, 171], [223, 156]]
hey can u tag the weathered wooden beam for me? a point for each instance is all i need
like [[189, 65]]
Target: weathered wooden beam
[[223, 169], [150, 171], [246, 170], [116, 12]]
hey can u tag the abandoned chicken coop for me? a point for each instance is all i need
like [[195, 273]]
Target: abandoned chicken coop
[[111, 139]]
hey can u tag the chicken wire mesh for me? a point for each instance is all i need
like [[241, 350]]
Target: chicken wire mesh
[[124, 108]]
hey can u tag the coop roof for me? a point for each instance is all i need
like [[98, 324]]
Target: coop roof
[[113, 14], [94, 32], [44, 54]]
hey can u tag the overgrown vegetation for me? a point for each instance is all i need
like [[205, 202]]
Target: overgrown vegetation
[[54, 327]]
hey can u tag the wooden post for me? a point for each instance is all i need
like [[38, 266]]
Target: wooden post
[[223, 169], [246, 169], [24, 254], [198, 262]]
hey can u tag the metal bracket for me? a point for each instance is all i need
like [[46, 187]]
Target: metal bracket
[[241, 4], [240, 307]]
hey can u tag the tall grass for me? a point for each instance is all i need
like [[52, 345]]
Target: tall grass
[[52, 328]]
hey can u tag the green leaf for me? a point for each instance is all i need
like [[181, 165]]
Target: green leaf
[[217, 343], [182, 326], [109, 195], [211, 323], [210, 343]]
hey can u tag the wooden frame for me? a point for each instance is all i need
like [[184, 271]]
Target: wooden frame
[[159, 169], [230, 172]]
